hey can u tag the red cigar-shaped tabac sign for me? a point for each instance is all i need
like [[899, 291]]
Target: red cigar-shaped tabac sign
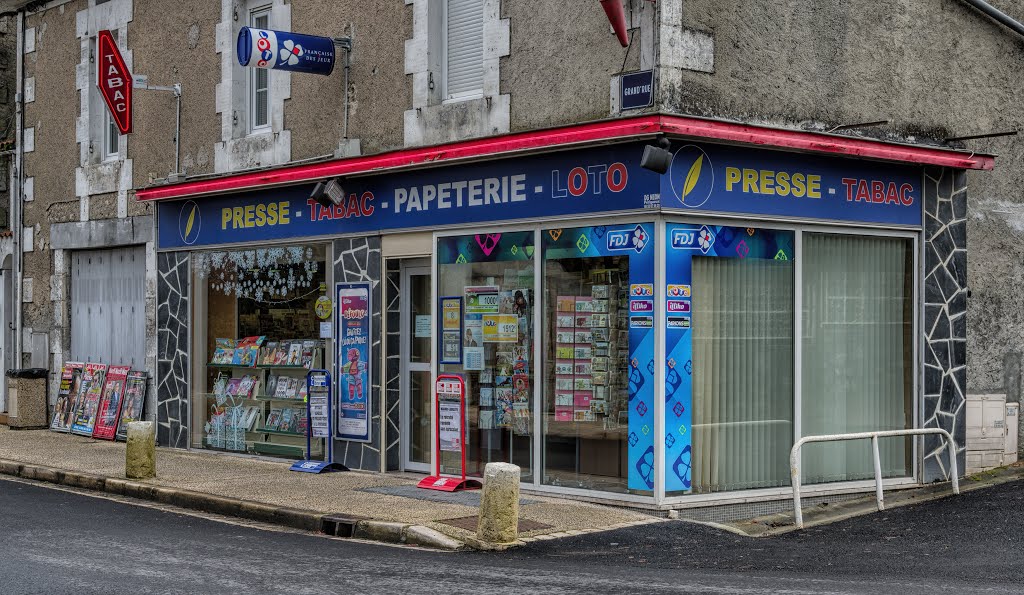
[[115, 81]]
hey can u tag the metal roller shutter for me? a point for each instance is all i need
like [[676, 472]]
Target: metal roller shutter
[[464, 45], [108, 307]]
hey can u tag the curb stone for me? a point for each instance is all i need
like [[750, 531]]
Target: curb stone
[[294, 518]]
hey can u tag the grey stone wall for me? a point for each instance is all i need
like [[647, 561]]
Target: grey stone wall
[[358, 259], [172, 369], [935, 69], [945, 317]]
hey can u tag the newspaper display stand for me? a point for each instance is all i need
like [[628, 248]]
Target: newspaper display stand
[[449, 416], [319, 424]]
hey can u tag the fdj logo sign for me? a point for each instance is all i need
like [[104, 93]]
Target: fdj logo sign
[[628, 239], [690, 239], [190, 221]]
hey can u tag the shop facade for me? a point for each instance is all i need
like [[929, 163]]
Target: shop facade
[[623, 334]]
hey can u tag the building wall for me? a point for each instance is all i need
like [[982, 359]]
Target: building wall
[[935, 69]]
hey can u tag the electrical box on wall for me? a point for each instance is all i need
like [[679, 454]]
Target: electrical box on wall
[[1012, 431], [987, 431]]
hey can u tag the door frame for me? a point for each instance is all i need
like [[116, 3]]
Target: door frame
[[409, 268]]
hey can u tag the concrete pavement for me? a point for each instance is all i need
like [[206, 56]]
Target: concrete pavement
[[266, 490], [56, 542]]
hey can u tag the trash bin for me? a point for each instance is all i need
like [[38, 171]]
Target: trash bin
[[27, 398]]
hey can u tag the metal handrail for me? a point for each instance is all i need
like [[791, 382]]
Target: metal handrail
[[794, 460]]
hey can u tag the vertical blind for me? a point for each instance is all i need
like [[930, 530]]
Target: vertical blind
[[743, 373], [464, 47], [857, 350]]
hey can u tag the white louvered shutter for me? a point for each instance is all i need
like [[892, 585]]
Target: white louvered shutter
[[464, 45]]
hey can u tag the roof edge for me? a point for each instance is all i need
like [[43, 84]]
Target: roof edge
[[604, 131]]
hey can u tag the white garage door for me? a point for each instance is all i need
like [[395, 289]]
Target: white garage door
[[108, 308]]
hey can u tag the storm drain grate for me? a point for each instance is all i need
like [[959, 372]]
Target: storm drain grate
[[339, 525]]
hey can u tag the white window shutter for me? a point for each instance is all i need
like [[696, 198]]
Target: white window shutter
[[464, 41]]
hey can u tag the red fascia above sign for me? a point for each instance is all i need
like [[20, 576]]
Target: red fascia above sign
[[608, 131], [114, 81]]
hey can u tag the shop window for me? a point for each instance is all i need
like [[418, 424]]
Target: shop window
[[486, 301], [857, 353], [257, 333], [729, 358], [598, 358]]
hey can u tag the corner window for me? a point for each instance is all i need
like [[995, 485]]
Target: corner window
[[463, 49], [259, 79]]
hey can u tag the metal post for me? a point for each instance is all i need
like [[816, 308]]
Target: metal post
[[878, 473], [794, 472], [177, 129]]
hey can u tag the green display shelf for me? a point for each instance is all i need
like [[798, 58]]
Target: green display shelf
[[281, 450], [278, 432]]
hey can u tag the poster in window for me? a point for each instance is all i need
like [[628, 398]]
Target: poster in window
[[451, 330], [354, 361]]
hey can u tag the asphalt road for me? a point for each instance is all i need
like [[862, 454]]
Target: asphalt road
[[55, 541]]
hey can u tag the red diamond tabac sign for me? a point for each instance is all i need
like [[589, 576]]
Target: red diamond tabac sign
[[115, 82]]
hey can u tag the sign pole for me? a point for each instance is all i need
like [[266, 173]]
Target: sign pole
[[318, 422], [450, 389]]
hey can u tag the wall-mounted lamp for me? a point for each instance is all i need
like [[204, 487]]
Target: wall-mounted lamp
[[329, 193], [657, 158]]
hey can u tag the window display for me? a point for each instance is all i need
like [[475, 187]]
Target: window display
[[598, 289], [486, 289], [262, 337], [729, 358]]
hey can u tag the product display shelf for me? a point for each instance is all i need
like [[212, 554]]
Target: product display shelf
[[258, 438]]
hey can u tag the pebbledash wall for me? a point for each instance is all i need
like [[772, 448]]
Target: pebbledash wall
[[941, 305]]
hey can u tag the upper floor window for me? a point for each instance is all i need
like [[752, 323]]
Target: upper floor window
[[463, 49], [111, 136], [259, 78]]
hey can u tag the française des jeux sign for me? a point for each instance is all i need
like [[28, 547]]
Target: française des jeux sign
[[703, 178], [114, 81]]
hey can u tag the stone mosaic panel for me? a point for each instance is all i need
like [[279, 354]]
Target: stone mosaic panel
[[172, 311], [393, 366], [945, 317], [359, 259]]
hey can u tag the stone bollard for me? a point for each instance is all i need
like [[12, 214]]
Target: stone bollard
[[499, 504], [140, 452]]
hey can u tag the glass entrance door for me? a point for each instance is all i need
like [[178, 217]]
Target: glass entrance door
[[416, 337]]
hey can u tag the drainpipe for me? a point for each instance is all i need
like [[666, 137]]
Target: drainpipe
[[999, 16], [19, 185]]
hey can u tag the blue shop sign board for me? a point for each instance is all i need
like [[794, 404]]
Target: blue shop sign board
[[703, 178]]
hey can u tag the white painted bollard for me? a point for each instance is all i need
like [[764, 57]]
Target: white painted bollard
[[140, 450], [499, 504]]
